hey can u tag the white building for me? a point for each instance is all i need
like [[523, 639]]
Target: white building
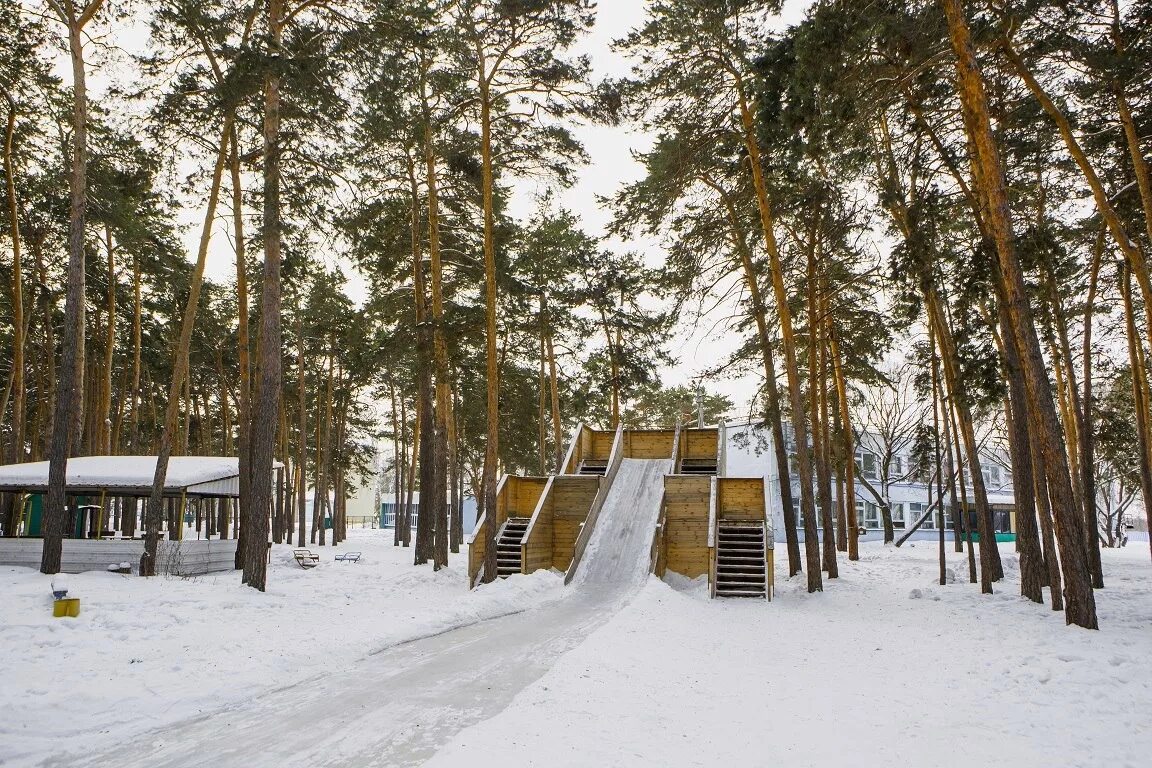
[[751, 454], [388, 507]]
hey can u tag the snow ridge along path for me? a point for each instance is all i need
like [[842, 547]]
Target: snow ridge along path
[[398, 707]]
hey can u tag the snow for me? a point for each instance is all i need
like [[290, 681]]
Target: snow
[[884, 668], [859, 675], [147, 653], [125, 472]]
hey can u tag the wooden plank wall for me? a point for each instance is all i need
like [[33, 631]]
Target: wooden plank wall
[[686, 532], [648, 443], [741, 498], [575, 453], [699, 443], [600, 445], [587, 436], [572, 499], [523, 495]]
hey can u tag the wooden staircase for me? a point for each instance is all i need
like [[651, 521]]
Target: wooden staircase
[[508, 551], [593, 467], [741, 560]]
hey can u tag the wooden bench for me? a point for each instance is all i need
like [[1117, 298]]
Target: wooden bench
[[305, 558], [349, 557]]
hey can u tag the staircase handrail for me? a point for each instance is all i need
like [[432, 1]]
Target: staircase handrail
[[657, 547], [614, 458], [477, 531], [769, 564], [571, 458], [721, 449], [675, 468], [545, 497], [713, 494]]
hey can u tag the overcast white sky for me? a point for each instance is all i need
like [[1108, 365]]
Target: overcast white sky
[[612, 165]]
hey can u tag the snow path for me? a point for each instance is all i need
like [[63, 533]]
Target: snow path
[[398, 707], [885, 668]]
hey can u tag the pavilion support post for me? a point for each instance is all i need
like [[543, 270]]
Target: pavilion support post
[[180, 517], [100, 516]]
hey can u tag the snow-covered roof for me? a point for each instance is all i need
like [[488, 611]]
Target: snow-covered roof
[[131, 475]]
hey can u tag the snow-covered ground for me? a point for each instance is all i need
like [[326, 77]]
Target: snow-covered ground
[[146, 653], [884, 668], [862, 675]]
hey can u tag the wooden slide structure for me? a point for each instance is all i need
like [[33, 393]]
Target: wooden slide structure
[[709, 524]]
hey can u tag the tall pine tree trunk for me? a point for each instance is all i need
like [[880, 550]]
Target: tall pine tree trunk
[[443, 403], [1032, 575], [817, 409], [492, 418], [991, 187], [244, 399], [426, 517], [943, 333], [791, 364], [15, 454], [554, 390], [105, 411], [152, 512], [264, 414], [772, 409], [301, 431], [72, 355], [1087, 436], [849, 448]]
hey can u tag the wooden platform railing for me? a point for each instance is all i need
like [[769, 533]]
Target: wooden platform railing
[[614, 459], [713, 532], [769, 562], [658, 553], [698, 444], [576, 448], [721, 449]]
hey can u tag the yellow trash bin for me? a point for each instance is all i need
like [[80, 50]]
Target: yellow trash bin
[[66, 606]]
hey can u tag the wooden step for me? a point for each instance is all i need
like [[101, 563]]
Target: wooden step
[[741, 560], [508, 546]]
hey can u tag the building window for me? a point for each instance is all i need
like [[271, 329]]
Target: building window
[[800, 515], [916, 510], [897, 466], [898, 516], [867, 463], [867, 514]]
